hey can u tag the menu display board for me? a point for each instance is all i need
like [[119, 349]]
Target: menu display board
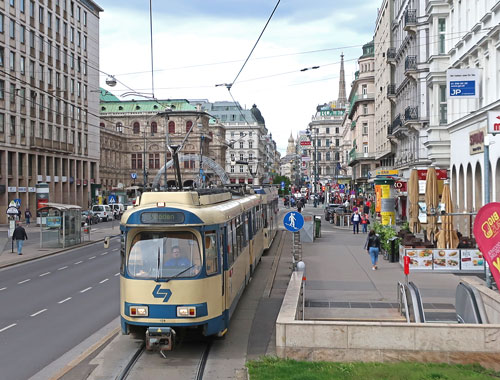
[[472, 259], [420, 259], [446, 259]]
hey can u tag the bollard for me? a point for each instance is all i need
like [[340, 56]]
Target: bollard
[[106, 242], [302, 266]]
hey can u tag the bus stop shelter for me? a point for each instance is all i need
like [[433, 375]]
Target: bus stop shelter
[[60, 225]]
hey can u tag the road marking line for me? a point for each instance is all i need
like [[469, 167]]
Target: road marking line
[[104, 253], [103, 281], [78, 262], [63, 268], [22, 282], [8, 327], [44, 274], [116, 249], [84, 290], [38, 312], [117, 274], [3, 289], [93, 257], [64, 300]]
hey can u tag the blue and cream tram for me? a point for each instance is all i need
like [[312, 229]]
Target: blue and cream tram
[[186, 258]]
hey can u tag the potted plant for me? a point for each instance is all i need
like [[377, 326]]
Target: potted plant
[[385, 233]]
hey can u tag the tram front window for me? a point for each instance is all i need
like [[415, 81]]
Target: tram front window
[[163, 255]]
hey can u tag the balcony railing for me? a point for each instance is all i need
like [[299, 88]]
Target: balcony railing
[[391, 54], [40, 143], [410, 17], [411, 114], [391, 90], [411, 63]]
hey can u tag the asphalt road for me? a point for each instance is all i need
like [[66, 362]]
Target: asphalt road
[[50, 305]]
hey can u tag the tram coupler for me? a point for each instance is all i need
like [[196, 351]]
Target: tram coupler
[[160, 339]]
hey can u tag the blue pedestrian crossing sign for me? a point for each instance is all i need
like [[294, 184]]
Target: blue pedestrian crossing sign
[[17, 201], [293, 221], [111, 199], [282, 185]]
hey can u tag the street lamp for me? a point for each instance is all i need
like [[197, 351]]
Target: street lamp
[[145, 171]]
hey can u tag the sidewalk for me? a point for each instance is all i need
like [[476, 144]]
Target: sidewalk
[[32, 250], [340, 279]]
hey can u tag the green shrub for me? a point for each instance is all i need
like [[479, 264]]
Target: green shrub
[[385, 233]]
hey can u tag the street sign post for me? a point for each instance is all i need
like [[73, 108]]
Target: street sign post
[[293, 221]]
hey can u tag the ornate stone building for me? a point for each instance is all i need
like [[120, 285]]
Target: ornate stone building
[[136, 135]]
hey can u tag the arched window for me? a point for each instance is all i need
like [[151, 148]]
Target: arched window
[[189, 125], [154, 127], [119, 127], [171, 127], [136, 128], [102, 125]]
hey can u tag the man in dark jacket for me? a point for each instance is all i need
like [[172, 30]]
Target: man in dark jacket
[[20, 236]]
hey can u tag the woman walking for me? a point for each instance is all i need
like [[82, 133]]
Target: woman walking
[[373, 247]]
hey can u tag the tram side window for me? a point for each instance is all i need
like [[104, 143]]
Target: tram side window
[[230, 249], [258, 214], [236, 251], [244, 222], [254, 222], [249, 225], [240, 234], [264, 213], [122, 253], [212, 263]]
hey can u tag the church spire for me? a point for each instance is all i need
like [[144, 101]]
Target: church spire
[[342, 95]]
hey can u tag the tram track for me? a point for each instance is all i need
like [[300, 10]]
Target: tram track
[[188, 360]]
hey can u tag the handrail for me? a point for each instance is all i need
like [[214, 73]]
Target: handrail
[[402, 299], [417, 302], [469, 305]]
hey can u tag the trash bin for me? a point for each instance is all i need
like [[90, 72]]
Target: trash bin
[[393, 250], [317, 226]]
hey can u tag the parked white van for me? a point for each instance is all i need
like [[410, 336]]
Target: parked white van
[[103, 211], [118, 208]]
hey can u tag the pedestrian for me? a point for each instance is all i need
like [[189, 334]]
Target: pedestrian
[[27, 215], [300, 204], [19, 236], [355, 219], [364, 222], [372, 245], [346, 205]]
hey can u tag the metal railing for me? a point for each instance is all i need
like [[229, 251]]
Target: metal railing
[[411, 113], [391, 90], [411, 17], [391, 53], [411, 63]]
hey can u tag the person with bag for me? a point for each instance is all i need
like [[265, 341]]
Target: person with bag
[[372, 245], [355, 219]]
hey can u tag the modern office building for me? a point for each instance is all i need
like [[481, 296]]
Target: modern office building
[[49, 115]]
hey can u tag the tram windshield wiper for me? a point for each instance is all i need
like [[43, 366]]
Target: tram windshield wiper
[[181, 272], [158, 266]]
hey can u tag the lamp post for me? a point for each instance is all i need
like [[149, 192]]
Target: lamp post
[[315, 150], [202, 182]]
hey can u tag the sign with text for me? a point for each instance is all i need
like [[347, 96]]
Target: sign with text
[[487, 234], [440, 174], [386, 173], [305, 142], [476, 141], [493, 122], [463, 83]]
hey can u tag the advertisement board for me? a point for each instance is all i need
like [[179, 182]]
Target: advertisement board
[[463, 83]]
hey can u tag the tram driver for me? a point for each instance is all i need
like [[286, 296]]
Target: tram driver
[[178, 260]]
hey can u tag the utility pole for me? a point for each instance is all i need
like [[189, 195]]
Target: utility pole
[[145, 172], [202, 182]]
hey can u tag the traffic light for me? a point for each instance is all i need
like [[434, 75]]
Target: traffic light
[[323, 188]]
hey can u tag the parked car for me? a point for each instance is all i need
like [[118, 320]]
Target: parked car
[[89, 217], [103, 211], [333, 208]]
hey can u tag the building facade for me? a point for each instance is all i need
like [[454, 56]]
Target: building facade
[[251, 152], [136, 136], [361, 119], [49, 118]]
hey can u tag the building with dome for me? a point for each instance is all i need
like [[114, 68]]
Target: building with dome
[[290, 161]]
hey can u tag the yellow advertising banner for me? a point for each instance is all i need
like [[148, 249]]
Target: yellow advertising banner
[[387, 218], [378, 198], [387, 172], [386, 191]]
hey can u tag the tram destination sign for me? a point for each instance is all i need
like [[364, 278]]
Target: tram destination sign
[[163, 217]]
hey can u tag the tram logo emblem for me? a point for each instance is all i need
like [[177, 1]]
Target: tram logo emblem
[[162, 293]]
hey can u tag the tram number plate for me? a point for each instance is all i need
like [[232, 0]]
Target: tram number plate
[[162, 218]]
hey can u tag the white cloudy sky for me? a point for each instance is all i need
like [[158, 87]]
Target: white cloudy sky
[[201, 43]]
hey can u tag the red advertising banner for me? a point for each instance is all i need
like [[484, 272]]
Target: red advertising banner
[[305, 142], [487, 234], [441, 174]]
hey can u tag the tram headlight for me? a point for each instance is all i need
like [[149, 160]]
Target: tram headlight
[[186, 311], [139, 311]]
